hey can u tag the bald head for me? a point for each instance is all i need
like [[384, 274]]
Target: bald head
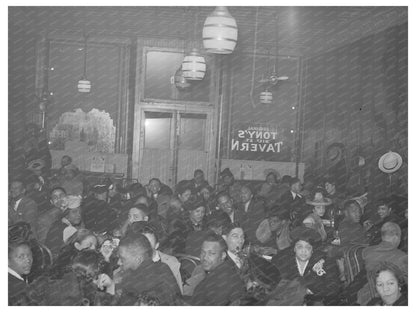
[[391, 232]]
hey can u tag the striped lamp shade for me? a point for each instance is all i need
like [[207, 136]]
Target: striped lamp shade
[[193, 66], [266, 97], [220, 32], [84, 85]]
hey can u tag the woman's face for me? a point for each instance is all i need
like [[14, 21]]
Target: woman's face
[[235, 240], [205, 193], [90, 242], [271, 179], [319, 210], [185, 196], [303, 250], [197, 214], [387, 287]]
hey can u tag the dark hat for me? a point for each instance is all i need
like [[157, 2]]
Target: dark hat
[[218, 218], [226, 173], [305, 234], [99, 189], [263, 270], [334, 153], [280, 212], [36, 164]]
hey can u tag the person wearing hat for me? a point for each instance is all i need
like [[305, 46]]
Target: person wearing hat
[[313, 220], [309, 266], [62, 229], [227, 184], [270, 185], [335, 210], [199, 180], [195, 224], [96, 213], [156, 188]]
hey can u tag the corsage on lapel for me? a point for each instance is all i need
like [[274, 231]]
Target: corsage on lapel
[[318, 267]]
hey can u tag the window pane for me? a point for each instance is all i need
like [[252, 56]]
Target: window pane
[[193, 131], [157, 130]]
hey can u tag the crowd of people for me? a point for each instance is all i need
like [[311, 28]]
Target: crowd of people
[[234, 243]]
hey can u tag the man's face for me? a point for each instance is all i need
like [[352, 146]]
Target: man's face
[[271, 179], [383, 211], [65, 161], [128, 259], [211, 255], [205, 193], [197, 214], [330, 188], [136, 215], [296, 188], [74, 216], [353, 213], [246, 195], [235, 240], [17, 190], [274, 223], [225, 204], [57, 197], [20, 260], [154, 187], [303, 250], [199, 177], [228, 180]]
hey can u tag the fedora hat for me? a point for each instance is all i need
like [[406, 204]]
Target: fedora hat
[[36, 164], [319, 200], [334, 152], [390, 162]]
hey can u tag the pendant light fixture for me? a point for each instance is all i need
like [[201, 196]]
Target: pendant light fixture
[[220, 32], [193, 65], [84, 85], [266, 97]]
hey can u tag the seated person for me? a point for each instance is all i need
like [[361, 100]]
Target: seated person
[[71, 180], [350, 229], [63, 228], [19, 265], [80, 240], [390, 284], [207, 193], [47, 218], [84, 283], [150, 232], [142, 275], [226, 204], [156, 188], [222, 284], [314, 220], [250, 213], [385, 213], [387, 250], [139, 212], [311, 267], [216, 223], [233, 236], [199, 180], [183, 191], [96, 213], [270, 186], [274, 231]]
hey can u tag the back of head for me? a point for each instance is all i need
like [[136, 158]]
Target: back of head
[[88, 264], [391, 232], [286, 179], [183, 186], [229, 227], [218, 219], [138, 244]]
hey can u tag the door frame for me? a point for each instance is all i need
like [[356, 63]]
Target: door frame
[[138, 135]]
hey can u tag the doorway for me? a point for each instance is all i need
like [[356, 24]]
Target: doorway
[[173, 143]]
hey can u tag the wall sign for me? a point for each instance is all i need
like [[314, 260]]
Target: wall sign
[[261, 142]]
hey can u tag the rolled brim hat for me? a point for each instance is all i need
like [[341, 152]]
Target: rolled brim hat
[[306, 234], [226, 173], [36, 164], [100, 188], [390, 162]]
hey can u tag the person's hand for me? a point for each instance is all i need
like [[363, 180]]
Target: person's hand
[[104, 281], [368, 225]]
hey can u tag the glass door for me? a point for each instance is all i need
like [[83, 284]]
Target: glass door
[[174, 145]]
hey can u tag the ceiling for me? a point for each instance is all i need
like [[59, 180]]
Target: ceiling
[[301, 30]]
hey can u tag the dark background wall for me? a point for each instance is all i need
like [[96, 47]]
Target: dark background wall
[[357, 95]]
